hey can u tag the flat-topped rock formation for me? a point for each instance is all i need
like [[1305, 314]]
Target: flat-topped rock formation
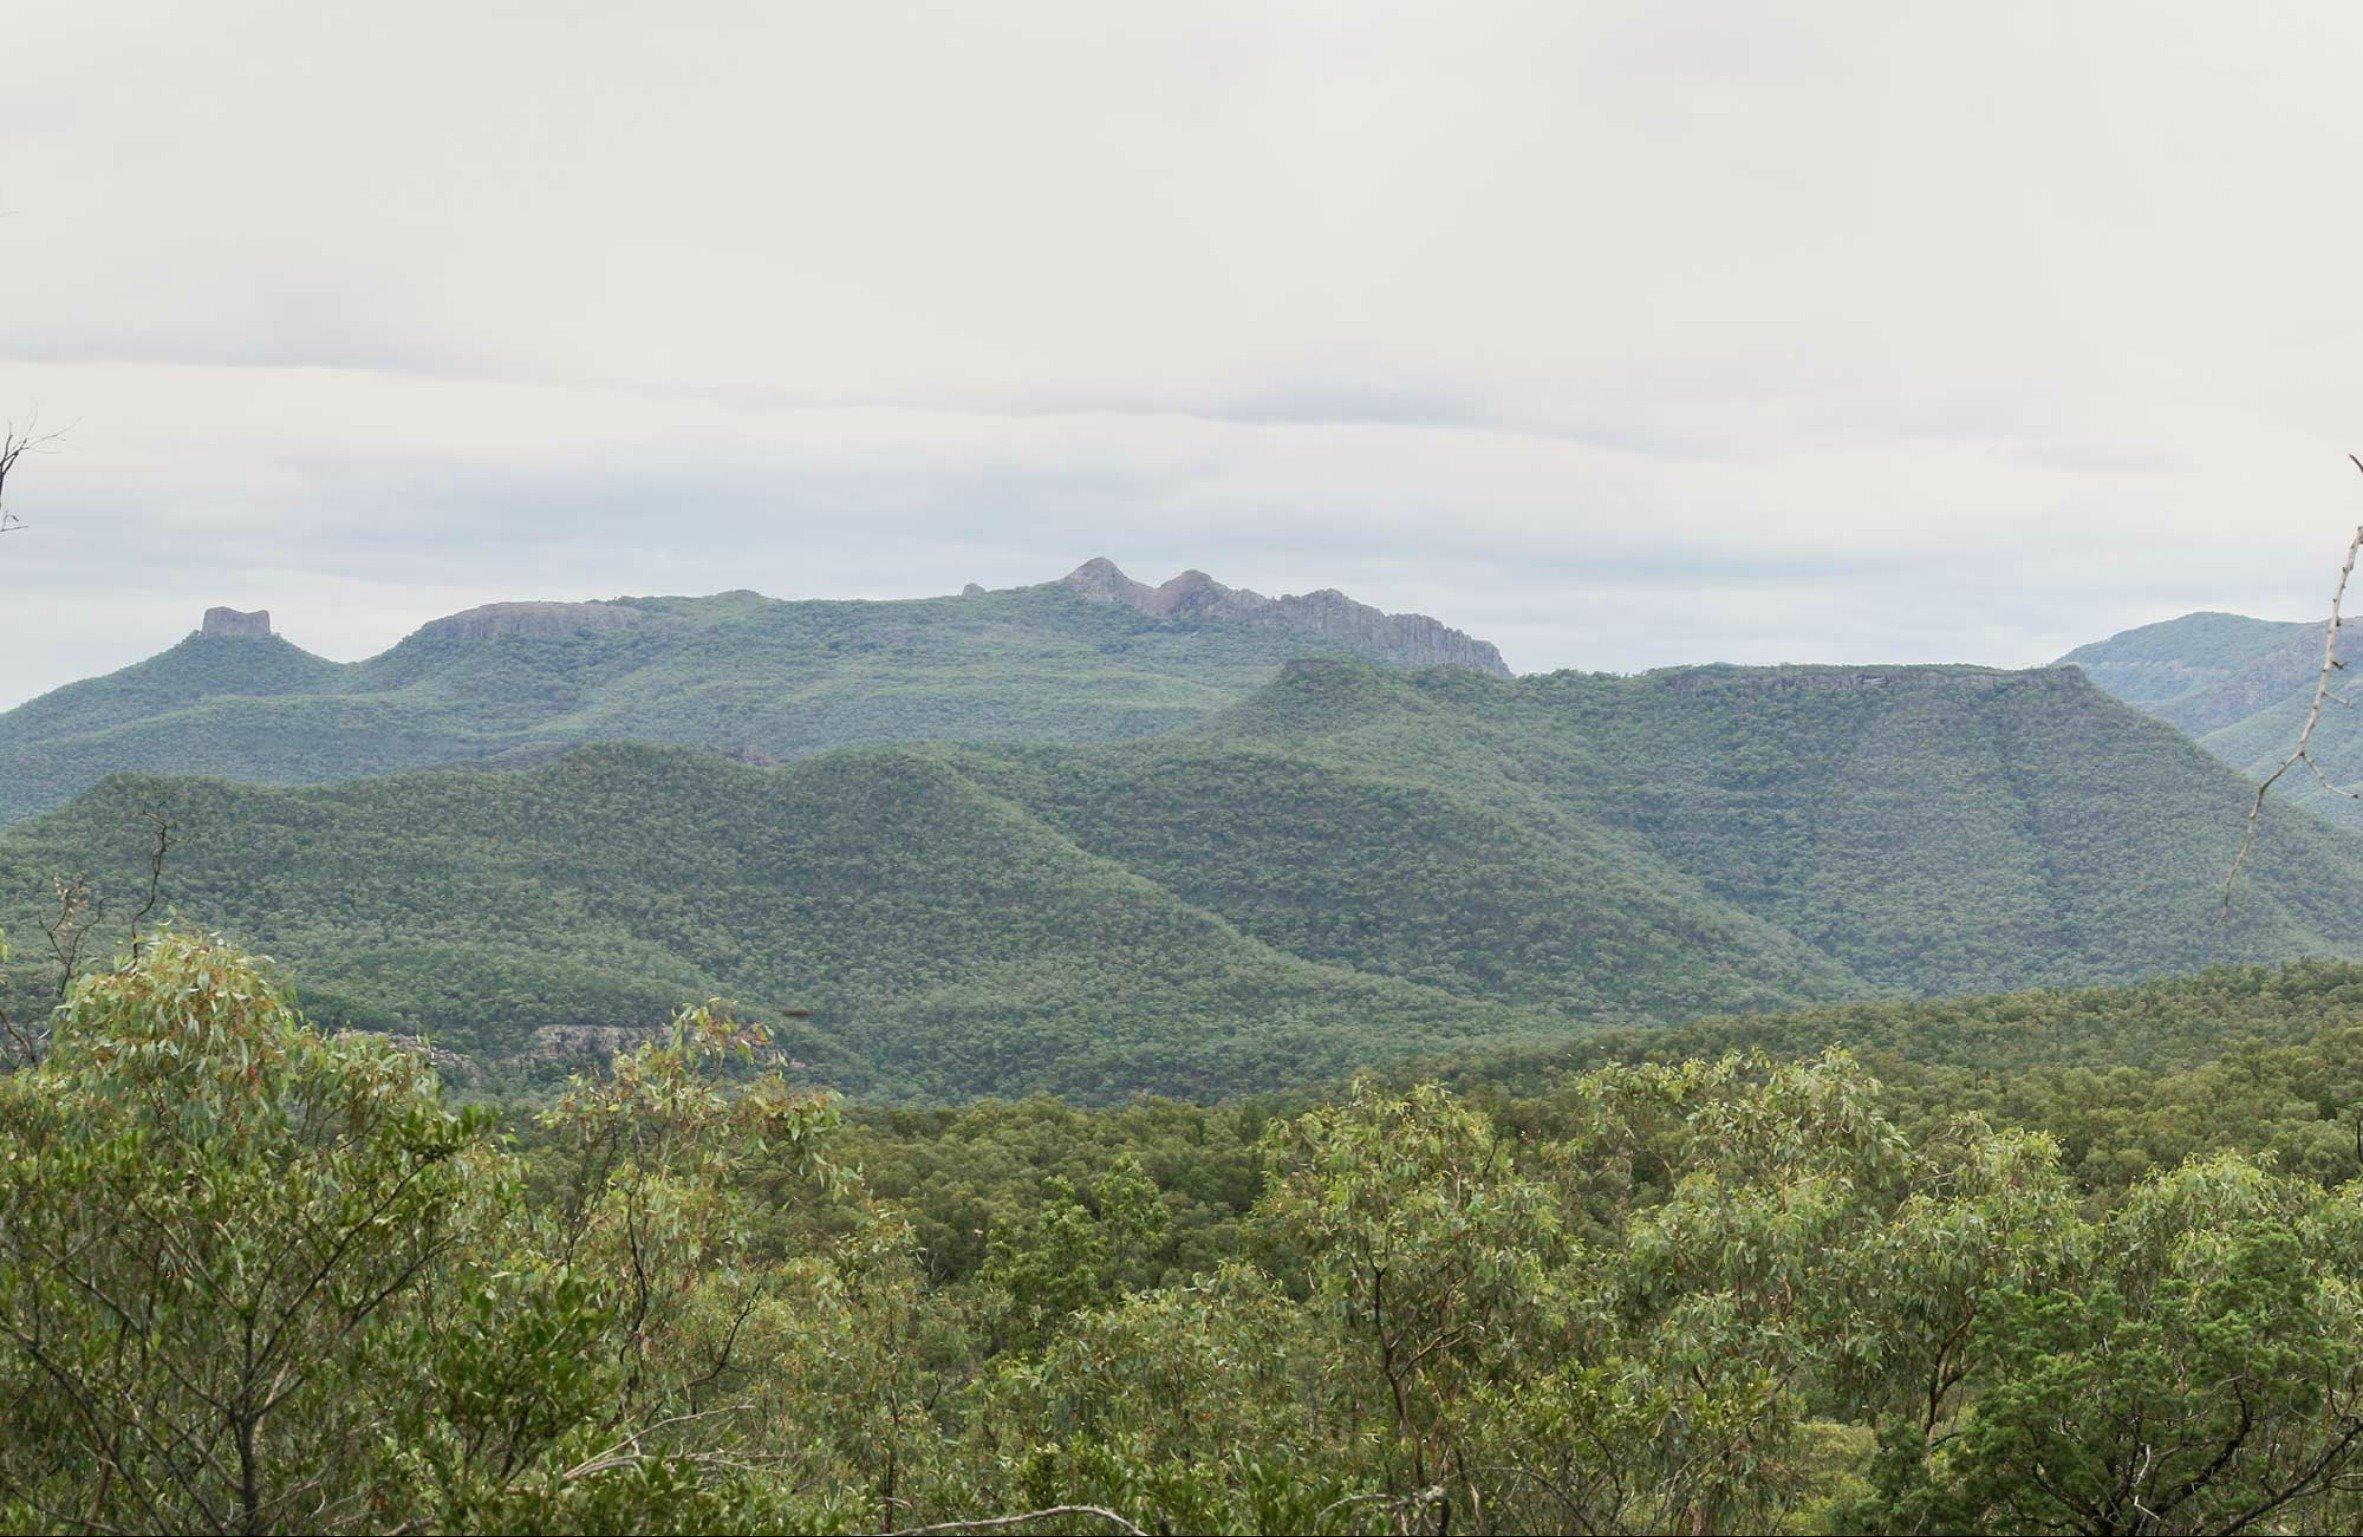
[[230, 624]]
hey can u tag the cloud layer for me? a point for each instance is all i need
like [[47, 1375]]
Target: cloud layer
[[1621, 335]]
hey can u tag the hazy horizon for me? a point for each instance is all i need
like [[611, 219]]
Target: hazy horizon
[[1152, 578], [1616, 337]]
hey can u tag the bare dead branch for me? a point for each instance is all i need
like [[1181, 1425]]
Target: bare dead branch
[[68, 929], [2303, 752], [995, 1523], [160, 847], [15, 443]]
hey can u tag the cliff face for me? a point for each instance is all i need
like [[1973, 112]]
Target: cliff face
[[231, 624], [1413, 640]]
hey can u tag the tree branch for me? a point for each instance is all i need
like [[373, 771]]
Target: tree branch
[[2303, 752]]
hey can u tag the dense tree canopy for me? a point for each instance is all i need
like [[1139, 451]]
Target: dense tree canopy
[[1356, 866], [255, 1277]]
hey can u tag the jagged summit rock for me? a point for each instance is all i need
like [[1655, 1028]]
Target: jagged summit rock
[[1099, 580], [231, 624], [1194, 597]]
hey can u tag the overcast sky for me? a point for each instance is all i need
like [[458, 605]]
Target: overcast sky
[[1622, 335]]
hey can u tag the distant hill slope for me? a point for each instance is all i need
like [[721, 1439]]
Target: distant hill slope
[[1934, 829], [2166, 1025], [2242, 687], [1354, 864], [1092, 657]]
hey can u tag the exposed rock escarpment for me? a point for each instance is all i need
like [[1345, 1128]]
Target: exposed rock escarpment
[[1194, 597], [229, 623]]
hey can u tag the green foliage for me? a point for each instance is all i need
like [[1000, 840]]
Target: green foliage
[[1080, 1249], [2195, 1368], [254, 1278], [1213, 1404], [219, 1232]]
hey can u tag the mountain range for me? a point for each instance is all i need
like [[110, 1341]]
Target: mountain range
[[1092, 656], [1344, 863]]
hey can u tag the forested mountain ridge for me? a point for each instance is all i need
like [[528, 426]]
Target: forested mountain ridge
[[1352, 865], [1092, 656], [2242, 687]]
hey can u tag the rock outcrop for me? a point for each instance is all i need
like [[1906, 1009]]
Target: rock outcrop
[[540, 620], [1412, 640], [557, 1043], [230, 624], [446, 1062]]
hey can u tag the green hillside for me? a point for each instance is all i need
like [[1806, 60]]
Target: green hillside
[[1933, 829], [1089, 658], [948, 943], [2203, 672], [2243, 688], [1354, 865]]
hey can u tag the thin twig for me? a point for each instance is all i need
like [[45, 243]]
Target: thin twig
[[626, 1451], [156, 854], [14, 445]]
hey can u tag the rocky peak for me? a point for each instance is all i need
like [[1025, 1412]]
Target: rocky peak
[[1193, 594], [229, 623], [1100, 581], [1412, 640]]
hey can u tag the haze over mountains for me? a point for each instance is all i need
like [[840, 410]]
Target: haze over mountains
[[1347, 864], [1092, 656]]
